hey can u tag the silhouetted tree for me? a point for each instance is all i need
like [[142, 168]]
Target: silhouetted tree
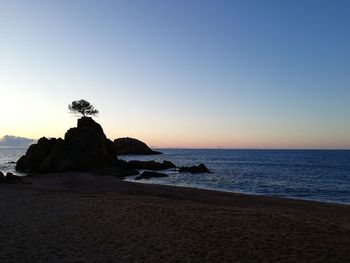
[[82, 106]]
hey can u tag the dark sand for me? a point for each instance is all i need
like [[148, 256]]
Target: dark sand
[[76, 217]]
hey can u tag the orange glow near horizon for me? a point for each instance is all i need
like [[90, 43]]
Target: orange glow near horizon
[[169, 137], [174, 141]]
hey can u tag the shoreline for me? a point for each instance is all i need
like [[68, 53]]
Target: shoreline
[[136, 187], [86, 217], [126, 179], [236, 192]]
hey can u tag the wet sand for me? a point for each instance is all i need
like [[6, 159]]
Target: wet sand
[[80, 217]]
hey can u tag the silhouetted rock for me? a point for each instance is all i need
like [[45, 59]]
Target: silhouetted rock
[[151, 165], [127, 145], [10, 178], [11, 162], [88, 122], [194, 169], [147, 175], [35, 155], [83, 148], [2, 177]]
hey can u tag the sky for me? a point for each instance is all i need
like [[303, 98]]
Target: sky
[[184, 73]]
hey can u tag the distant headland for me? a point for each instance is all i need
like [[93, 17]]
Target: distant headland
[[11, 141]]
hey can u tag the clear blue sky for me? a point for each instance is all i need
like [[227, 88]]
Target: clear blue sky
[[194, 73]]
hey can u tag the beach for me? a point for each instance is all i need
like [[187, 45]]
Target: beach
[[83, 217]]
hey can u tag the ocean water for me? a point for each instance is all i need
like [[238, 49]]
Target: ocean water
[[319, 175], [300, 174], [8, 156]]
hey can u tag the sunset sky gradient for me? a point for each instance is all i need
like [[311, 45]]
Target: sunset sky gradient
[[202, 74]]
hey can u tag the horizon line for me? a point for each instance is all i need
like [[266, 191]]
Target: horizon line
[[273, 149], [208, 148]]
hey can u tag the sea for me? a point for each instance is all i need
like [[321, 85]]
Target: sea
[[8, 159], [319, 175]]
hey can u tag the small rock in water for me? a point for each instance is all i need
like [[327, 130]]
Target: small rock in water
[[2, 178], [194, 169], [11, 162], [147, 175], [10, 178]]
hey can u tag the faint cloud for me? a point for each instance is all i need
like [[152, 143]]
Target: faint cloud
[[16, 142]]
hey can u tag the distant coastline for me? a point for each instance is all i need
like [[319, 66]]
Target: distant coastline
[[11, 141]]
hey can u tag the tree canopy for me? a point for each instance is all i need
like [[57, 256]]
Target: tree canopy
[[83, 107]]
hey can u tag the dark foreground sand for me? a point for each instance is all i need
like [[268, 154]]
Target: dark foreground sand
[[86, 218]]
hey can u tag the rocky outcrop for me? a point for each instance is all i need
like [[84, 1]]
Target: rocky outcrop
[[2, 177], [151, 165], [148, 174], [10, 178], [36, 154], [194, 169], [128, 145], [83, 148]]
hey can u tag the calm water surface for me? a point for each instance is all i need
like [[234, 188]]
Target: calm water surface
[[8, 156], [301, 174]]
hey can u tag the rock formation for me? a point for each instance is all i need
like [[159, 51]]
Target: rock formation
[[10, 178], [194, 169], [128, 145], [84, 147], [2, 177]]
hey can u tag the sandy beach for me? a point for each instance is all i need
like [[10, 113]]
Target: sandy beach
[[82, 217]]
